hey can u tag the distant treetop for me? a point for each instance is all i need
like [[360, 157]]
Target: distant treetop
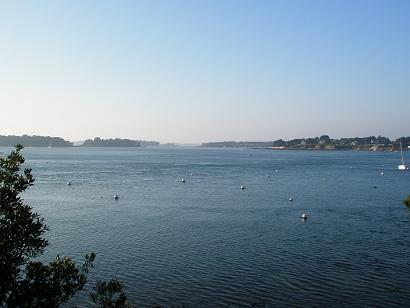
[[98, 142], [47, 141], [34, 141]]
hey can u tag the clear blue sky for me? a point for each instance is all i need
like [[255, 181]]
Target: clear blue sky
[[193, 71]]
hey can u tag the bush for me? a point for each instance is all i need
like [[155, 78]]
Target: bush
[[26, 283], [407, 201]]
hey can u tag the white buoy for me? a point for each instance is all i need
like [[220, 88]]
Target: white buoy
[[115, 197], [242, 187], [381, 173], [183, 180], [68, 183], [290, 199], [304, 216], [276, 170], [324, 179]]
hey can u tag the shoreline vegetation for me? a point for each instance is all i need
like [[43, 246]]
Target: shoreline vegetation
[[48, 141], [324, 142]]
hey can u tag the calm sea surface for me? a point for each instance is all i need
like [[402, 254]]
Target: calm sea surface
[[206, 242]]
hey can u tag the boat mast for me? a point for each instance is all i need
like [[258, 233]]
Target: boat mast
[[401, 153]]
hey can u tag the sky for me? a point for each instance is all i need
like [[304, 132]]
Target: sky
[[198, 71]]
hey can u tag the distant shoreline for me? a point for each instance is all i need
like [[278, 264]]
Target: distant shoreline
[[323, 143], [58, 142], [308, 149]]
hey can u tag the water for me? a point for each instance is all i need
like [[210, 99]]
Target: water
[[206, 242]]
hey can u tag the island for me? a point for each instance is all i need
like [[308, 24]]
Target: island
[[98, 142]]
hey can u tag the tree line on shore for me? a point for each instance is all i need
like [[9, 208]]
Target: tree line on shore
[[322, 142], [47, 141]]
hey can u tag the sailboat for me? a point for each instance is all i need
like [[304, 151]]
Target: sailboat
[[402, 166]]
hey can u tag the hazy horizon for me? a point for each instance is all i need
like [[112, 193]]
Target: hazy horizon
[[193, 72]]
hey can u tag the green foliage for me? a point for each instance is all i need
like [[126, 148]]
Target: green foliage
[[34, 141], [98, 142], [407, 201], [24, 283], [21, 230], [109, 295], [50, 285]]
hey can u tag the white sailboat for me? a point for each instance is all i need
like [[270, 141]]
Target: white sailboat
[[402, 166]]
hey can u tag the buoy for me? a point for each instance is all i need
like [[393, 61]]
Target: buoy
[[183, 180], [375, 186], [304, 216], [115, 197], [68, 183], [382, 173], [268, 176], [290, 199], [276, 170], [242, 187], [324, 179]]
